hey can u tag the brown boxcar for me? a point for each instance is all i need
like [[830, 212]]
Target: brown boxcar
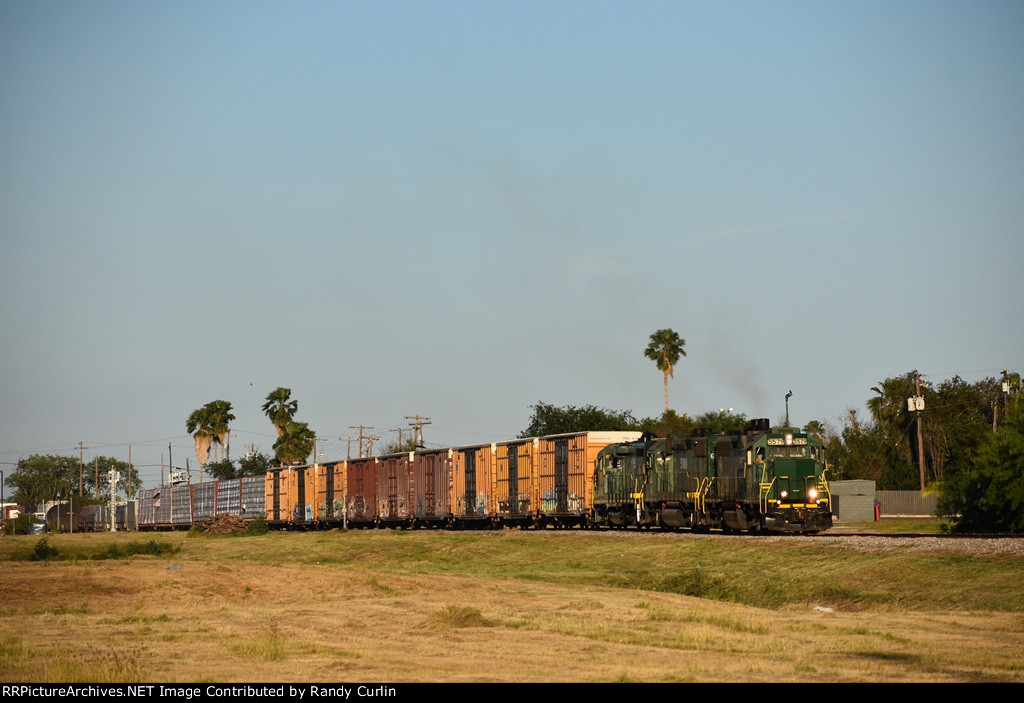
[[361, 491], [515, 488], [473, 478], [432, 487], [565, 474], [394, 489]]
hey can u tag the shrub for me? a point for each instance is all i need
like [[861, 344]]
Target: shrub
[[258, 526], [43, 551], [19, 525], [152, 548]]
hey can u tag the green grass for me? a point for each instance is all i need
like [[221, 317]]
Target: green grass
[[46, 550], [773, 574], [755, 572]]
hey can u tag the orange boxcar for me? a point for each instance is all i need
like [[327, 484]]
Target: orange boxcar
[[329, 506], [565, 474], [473, 478], [515, 485]]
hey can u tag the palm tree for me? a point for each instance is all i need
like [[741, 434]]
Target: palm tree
[[198, 425], [665, 349], [219, 413], [817, 429], [280, 408], [295, 443]]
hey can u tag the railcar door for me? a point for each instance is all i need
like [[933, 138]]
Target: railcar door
[[513, 479], [277, 496], [469, 496], [562, 476], [430, 486]]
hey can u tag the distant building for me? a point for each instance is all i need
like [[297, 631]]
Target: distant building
[[853, 501]]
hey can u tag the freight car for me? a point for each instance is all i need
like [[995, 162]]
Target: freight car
[[540, 481], [760, 479], [184, 505]]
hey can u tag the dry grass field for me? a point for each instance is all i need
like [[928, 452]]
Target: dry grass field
[[394, 606]]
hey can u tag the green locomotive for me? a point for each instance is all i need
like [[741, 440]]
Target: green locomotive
[[761, 479]]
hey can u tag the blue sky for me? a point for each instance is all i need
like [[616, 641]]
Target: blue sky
[[456, 209]]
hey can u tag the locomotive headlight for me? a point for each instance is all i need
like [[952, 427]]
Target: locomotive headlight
[[783, 494], [813, 494], [789, 440]]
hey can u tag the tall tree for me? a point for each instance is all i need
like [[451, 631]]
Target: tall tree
[[219, 415], [254, 464], [818, 430], [722, 421], [664, 349], [548, 419], [128, 480], [222, 470], [43, 477], [295, 443], [280, 408], [669, 424], [199, 426], [989, 497]]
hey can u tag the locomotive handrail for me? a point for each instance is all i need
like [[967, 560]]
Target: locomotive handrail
[[638, 494], [763, 498], [703, 488], [823, 483]]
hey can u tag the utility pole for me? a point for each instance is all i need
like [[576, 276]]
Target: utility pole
[[360, 428], [96, 465], [348, 449], [417, 425], [919, 404], [399, 431], [81, 468], [369, 443], [1006, 394]]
